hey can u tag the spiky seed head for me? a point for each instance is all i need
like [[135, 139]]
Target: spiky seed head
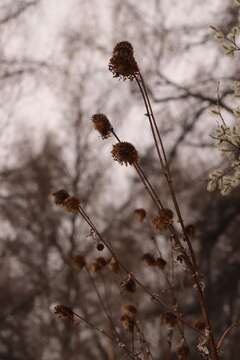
[[64, 312], [124, 153], [60, 196], [122, 63], [102, 125]]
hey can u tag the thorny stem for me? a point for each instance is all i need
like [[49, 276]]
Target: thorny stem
[[165, 166]]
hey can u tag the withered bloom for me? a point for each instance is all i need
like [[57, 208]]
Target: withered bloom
[[140, 214], [114, 265], [78, 262], [64, 312], [149, 259], [102, 125], [163, 219], [122, 63], [161, 263], [124, 153], [71, 204], [129, 284], [60, 196]]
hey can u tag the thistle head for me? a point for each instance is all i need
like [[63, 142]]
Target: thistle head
[[124, 153], [122, 63], [60, 196], [102, 125]]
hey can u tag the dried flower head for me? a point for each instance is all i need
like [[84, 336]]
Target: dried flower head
[[129, 284], [124, 153], [114, 265], [130, 310], [122, 63], [102, 125], [163, 219], [127, 322], [60, 196], [140, 214], [149, 259], [100, 246], [161, 263], [71, 204], [64, 312], [78, 262]]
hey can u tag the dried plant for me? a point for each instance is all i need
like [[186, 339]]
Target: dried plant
[[133, 340]]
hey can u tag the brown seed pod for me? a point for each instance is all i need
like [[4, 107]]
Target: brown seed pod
[[60, 196], [124, 153], [122, 63], [102, 125], [140, 214], [64, 312]]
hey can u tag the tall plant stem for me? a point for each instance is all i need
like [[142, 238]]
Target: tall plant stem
[[165, 167]]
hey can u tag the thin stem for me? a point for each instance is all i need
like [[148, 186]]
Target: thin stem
[[165, 166]]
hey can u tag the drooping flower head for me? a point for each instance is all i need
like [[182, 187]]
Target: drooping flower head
[[122, 63], [102, 125], [60, 196], [124, 153], [64, 312]]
